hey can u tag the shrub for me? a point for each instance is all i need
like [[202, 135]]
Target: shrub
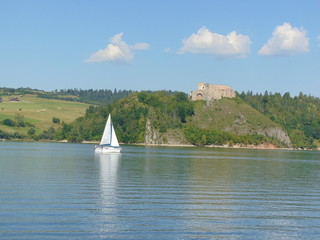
[[56, 120], [8, 122]]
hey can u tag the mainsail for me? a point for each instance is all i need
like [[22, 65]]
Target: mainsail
[[109, 137]]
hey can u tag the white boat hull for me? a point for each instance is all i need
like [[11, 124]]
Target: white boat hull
[[107, 150]]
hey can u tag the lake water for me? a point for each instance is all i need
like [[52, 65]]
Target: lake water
[[65, 191]]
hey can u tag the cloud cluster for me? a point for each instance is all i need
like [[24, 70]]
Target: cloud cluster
[[286, 41], [117, 50], [216, 45]]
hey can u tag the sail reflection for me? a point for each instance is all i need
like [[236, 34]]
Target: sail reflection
[[109, 165]]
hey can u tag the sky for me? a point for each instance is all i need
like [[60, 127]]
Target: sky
[[250, 45]]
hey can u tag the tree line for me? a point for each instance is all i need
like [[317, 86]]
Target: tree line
[[91, 96], [298, 115], [164, 109]]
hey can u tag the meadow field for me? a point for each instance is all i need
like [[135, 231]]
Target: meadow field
[[39, 112]]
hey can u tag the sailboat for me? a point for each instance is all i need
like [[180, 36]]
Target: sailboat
[[109, 142]]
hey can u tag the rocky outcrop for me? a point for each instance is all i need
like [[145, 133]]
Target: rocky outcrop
[[277, 133], [152, 135], [171, 137]]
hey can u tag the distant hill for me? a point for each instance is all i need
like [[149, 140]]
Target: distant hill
[[27, 116], [90, 96], [171, 118], [162, 117], [28, 113], [235, 116], [299, 115]]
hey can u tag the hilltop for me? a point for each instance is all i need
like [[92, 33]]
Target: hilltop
[[171, 118]]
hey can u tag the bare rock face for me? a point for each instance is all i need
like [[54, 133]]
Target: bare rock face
[[278, 134], [152, 135], [171, 137]]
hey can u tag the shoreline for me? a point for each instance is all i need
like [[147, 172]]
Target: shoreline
[[236, 146], [262, 146]]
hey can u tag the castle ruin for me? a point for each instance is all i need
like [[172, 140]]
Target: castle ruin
[[210, 92]]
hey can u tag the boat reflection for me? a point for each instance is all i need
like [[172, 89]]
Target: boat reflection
[[109, 166]]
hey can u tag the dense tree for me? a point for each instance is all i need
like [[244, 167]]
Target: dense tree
[[299, 115], [102, 96], [163, 109]]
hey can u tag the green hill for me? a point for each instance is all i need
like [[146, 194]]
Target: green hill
[[30, 112], [171, 118], [163, 117], [234, 116], [298, 115]]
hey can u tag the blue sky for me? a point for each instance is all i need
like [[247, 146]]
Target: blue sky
[[154, 45]]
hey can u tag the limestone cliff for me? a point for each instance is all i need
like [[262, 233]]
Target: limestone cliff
[[276, 133], [152, 135], [171, 137]]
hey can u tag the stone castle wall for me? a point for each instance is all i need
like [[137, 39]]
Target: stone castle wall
[[210, 92]]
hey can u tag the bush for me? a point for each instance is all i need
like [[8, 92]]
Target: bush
[[8, 122], [56, 120], [31, 131]]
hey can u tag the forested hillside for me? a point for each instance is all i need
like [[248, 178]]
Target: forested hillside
[[159, 116], [298, 115], [165, 110], [91, 96], [237, 121], [162, 117]]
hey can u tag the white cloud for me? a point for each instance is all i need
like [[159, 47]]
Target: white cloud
[[140, 46], [286, 41], [116, 50], [219, 46]]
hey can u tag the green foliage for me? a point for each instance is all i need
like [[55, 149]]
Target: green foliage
[[15, 135], [31, 131], [56, 120], [48, 134], [102, 96], [163, 109], [202, 137], [8, 122], [202, 124], [18, 121], [299, 115]]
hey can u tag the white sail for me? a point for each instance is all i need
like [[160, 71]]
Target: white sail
[[114, 140], [106, 137], [109, 142]]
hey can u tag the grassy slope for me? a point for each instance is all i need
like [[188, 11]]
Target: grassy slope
[[39, 111], [232, 115]]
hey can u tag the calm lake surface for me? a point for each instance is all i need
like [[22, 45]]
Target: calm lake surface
[[66, 191]]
